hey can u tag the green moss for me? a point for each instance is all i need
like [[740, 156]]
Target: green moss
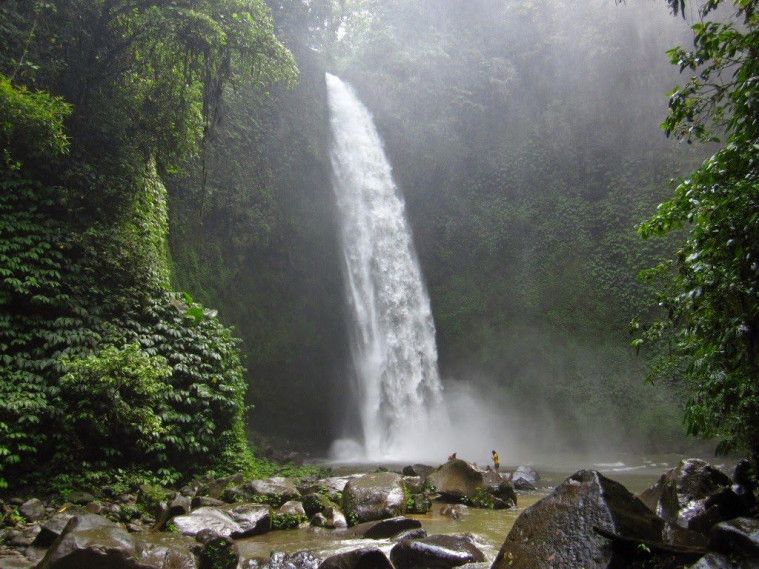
[[286, 521]]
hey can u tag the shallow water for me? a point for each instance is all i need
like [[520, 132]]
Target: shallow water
[[488, 526]]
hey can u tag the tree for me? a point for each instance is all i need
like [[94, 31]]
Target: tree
[[709, 334]]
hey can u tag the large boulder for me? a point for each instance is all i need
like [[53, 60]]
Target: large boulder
[[91, 543], [695, 495], [559, 530], [331, 487], [438, 551], [315, 503], [363, 558], [501, 488], [373, 497], [239, 520], [738, 536], [33, 509], [274, 491], [387, 528], [456, 480]]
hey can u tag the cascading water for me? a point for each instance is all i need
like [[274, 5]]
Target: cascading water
[[393, 333]]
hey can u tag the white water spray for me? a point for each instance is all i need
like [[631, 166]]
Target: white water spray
[[393, 333]]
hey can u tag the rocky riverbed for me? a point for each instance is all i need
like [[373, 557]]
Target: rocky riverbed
[[449, 516]]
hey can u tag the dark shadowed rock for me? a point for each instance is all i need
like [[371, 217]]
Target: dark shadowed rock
[[335, 519], [374, 497], [385, 528], [558, 531], [33, 510], [215, 487], [363, 558], [80, 498], [318, 520], [94, 544], [650, 496], [418, 533], [525, 478], [740, 536], [24, 536], [695, 495], [718, 561], [439, 551], [456, 479], [53, 527], [206, 501]]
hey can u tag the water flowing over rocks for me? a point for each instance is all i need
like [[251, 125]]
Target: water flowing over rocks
[[559, 530], [740, 536], [374, 497], [438, 551]]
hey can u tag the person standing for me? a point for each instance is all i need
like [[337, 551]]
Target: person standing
[[496, 460]]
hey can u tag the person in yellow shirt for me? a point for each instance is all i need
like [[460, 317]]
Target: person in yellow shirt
[[496, 460]]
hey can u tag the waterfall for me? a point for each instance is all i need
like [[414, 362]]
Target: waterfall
[[398, 388]]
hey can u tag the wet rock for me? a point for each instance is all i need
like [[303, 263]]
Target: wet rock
[[275, 491], [33, 510], [52, 528], [456, 480], [385, 528], [81, 498], [179, 506], [650, 496], [363, 558], [414, 484], [525, 478], [240, 520], [293, 508], [215, 487], [94, 508], [253, 519], [716, 561], [373, 497], [418, 533], [25, 536], [205, 502], [280, 560], [439, 551], [14, 560], [559, 530], [335, 519], [501, 489], [695, 495], [314, 503], [675, 535], [91, 543], [740, 536], [743, 483], [331, 487], [453, 511], [421, 470]]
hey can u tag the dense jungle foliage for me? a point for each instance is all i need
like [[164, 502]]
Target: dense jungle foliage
[[101, 100], [155, 146]]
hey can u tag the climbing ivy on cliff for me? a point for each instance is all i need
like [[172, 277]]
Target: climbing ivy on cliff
[[103, 366]]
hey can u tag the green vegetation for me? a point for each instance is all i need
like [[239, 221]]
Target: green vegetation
[[708, 334], [108, 376], [287, 521]]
